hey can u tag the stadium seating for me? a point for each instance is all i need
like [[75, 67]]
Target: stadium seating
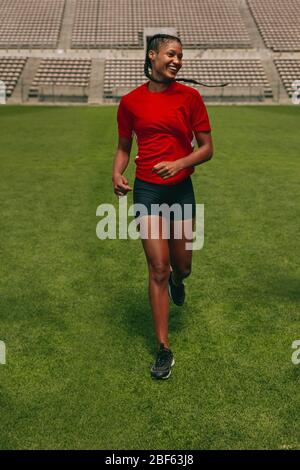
[[62, 73], [278, 23], [30, 23], [240, 73], [10, 71], [120, 23], [223, 38], [289, 71]]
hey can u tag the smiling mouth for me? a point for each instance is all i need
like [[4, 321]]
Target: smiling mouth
[[173, 69]]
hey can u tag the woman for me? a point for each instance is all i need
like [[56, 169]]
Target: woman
[[164, 115]]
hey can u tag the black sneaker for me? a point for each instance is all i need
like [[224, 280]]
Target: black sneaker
[[164, 361], [177, 293]]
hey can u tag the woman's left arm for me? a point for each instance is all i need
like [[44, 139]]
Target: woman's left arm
[[202, 154]]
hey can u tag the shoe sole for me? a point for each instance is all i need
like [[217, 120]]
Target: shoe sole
[[166, 376]]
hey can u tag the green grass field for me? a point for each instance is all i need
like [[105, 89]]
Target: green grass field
[[74, 310]]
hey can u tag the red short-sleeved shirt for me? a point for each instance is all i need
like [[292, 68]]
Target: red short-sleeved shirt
[[163, 123]]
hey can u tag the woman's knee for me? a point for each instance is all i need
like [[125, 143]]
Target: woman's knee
[[159, 271]]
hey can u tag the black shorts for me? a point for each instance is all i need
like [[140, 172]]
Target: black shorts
[[180, 196]]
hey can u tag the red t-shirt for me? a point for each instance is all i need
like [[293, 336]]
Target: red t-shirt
[[163, 123]]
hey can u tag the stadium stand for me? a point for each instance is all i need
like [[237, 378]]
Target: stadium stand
[[278, 23], [30, 23], [120, 23], [250, 74], [10, 71], [93, 50], [67, 74], [289, 71]]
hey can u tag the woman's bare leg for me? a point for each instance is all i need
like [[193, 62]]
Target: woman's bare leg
[[155, 244], [180, 256]]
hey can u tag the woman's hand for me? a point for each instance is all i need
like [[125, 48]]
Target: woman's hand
[[167, 169], [121, 186]]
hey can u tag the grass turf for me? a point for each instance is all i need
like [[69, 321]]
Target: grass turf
[[74, 310]]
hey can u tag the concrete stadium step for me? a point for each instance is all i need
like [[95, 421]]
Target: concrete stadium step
[[20, 94], [65, 38], [96, 82], [256, 39]]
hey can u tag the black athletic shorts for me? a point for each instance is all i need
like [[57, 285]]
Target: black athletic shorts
[[151, 195]]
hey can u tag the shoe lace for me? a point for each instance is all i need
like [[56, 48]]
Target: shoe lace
[[179, 287], [162, 356]]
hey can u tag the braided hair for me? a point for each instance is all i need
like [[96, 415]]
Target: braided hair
[[154, 44]]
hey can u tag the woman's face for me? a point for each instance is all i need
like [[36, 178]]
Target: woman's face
[[168, 61]]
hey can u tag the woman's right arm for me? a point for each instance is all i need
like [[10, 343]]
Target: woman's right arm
[[121, 161]]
